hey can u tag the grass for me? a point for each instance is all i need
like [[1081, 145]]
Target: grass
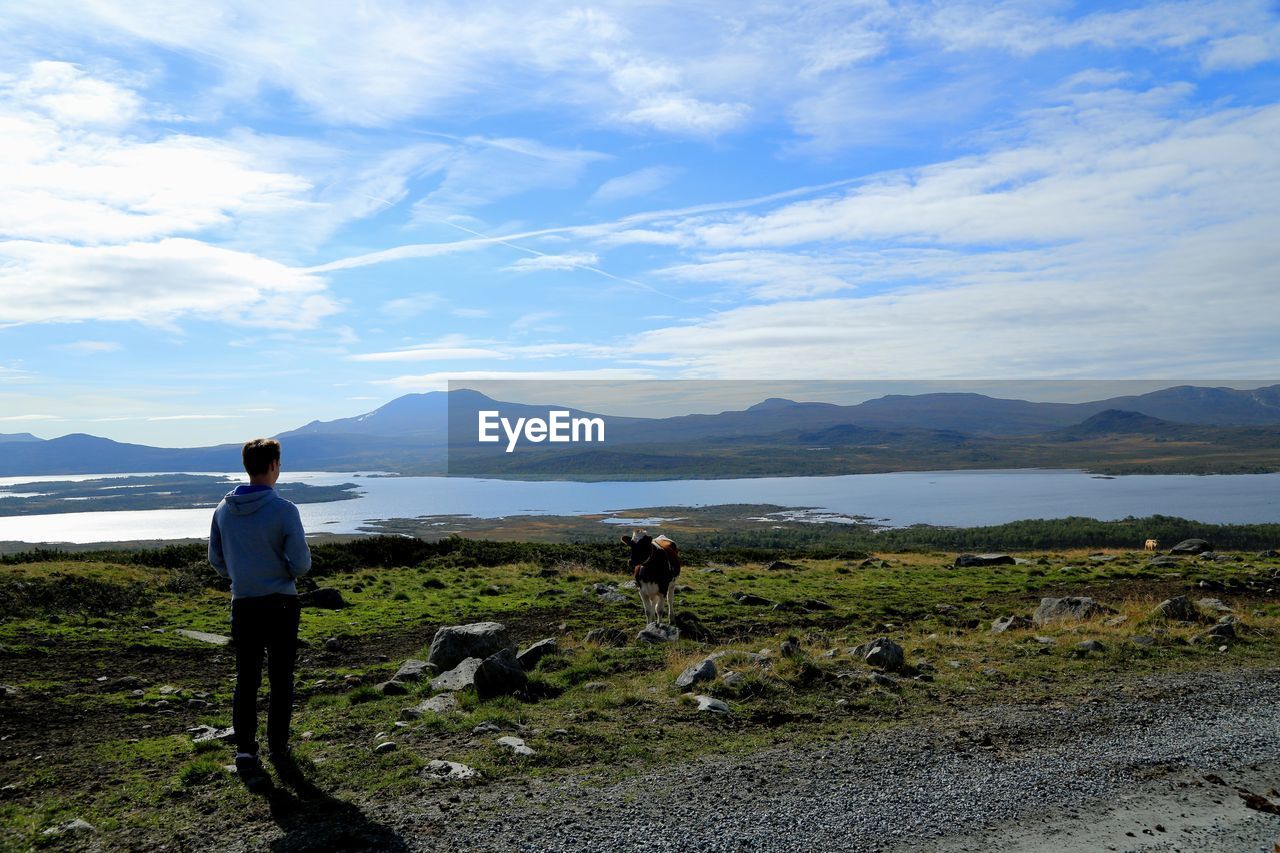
[[136, 774]]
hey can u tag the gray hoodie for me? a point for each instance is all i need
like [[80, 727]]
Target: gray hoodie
[[257, 541]]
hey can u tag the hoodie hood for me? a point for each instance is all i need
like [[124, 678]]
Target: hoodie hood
[[249, 502]]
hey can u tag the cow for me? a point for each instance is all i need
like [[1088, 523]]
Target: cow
[[1152, 545], [655, 564]]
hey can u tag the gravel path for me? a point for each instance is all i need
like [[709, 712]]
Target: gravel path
[[1065, 775]]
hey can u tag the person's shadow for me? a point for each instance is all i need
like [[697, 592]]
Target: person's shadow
[[313, 820]]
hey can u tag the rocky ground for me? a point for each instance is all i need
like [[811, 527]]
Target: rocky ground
[[1171, 762]]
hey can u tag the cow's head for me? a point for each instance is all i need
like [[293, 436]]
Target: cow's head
[[641, 544]]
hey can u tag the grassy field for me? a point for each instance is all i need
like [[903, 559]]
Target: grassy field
[[101, 689]]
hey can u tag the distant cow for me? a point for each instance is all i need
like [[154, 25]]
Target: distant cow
[[655, 564], [1152, 545]]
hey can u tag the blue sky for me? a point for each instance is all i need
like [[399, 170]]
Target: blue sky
[[227, 219]]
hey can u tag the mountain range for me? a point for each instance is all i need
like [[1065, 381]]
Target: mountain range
[[410, 435]]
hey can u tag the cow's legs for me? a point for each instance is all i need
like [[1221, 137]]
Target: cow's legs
[[648, 615], [671, 594]]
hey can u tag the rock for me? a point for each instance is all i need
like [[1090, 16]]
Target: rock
[[326, 598], [752, 600], [1142, 640], [1115, 621], [1223, 629], [450, 771], [486, 729], [1087, 646], [333, 644], [1164, 562], [883, 680], [703, 670], [656, 633], [1215, 604], [607, 636], [455, 643], [385, 747], [442, 704], [791, 649], [460, 677], [780, 565], [500, 675], [1070, 608], [816, 604], [1010, 623], [881, 652], [515, 746], [605, 593], [711, 705], [530, 657], [412, 671], [1102, 558], [691, 628], [596, 686], [968, 560], [1269, 554], [204, 637], [732, 679], [203, 734], [1191, 546], [391, 688], [77, 826], [1045, 641], [751, 657], [8, 691], [1177, 609]]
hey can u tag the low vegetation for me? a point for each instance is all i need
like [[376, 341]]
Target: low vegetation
[[101, 690]]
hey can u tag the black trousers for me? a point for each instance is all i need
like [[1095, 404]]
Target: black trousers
[[264, 625]]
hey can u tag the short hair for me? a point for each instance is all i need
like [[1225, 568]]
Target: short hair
[[258, 455]]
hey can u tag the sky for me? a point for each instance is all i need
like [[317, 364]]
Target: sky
[[226, 219]]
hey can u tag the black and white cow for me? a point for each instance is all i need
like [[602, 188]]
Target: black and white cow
[[655, 564]]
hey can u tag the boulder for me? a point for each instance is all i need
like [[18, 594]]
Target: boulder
[[333, 644], [605, 593], [752, 600], [385, 747], [76, 826], [460, 677], [442, 704], [881, 652], [657, 633], [412, 671], [204, 734], [454, 644], [1177, 609], [1087, 646], [530, 657], [691, 628], [780, 565], [1076, 608], [391, 688], [1269, 554], [967, 560], [607, 636], [711, 705], [790, 649], [515, 746], [703, 670], [326, 598], [1224, 629], [450, 771], [500, 675], [1215, 604], [1010, 623], [1142, 640], [1165, 561], [1191, 546]]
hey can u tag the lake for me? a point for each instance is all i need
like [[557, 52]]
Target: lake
[[959, 498]]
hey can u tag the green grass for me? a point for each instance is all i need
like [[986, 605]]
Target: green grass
[[153, 783]]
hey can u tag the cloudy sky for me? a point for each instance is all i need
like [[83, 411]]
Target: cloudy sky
[[224, 219]]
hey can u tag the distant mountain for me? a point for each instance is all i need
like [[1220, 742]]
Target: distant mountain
[[1120, 422], [410, 433], [17, 436]]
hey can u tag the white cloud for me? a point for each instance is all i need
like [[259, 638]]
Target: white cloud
[[440, 381], [64, 93], [92, 347], [641, 182], [535, 321], [449, 348], [545, 263], [154, 283]]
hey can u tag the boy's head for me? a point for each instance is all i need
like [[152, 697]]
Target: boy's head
[[259, 455]]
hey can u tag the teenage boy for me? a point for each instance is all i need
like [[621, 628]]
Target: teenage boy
[[257, 541]]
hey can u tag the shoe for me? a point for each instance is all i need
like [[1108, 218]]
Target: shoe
[[251, 772]]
